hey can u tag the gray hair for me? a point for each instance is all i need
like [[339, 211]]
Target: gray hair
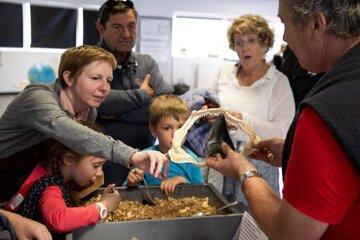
[[342, 16]]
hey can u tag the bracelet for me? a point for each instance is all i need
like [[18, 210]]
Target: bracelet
[[249, 174], [128, 163]]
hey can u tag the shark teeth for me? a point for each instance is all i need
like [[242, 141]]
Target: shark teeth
[[177, 153]]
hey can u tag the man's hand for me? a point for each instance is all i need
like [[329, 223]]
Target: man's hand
[[146, 86], [269, 151], [233, 165], [152, 162], [135, 175], [26, 228], [168, 185]]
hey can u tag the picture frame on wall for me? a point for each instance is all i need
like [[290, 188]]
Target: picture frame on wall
[[155, 39], [152, 28]]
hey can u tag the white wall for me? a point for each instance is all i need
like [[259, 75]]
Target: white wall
[[183, 70], [14, 67], [166, 8], [5, 99], [232, 7]]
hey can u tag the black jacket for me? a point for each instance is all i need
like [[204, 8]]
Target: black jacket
[[335, 97]]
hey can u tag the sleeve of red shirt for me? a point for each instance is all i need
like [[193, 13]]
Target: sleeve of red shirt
[[60, 218], [320, 180]]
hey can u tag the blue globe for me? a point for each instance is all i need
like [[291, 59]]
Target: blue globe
[[41, 73]]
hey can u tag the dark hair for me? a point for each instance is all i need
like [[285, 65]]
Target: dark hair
[[57, 150], [181, 88], [114, 6]]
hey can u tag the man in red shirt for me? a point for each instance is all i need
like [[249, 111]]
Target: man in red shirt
[[320, 156]]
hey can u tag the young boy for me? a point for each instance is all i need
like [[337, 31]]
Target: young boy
[[167, 114]]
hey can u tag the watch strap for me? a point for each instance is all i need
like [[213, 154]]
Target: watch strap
[[102, 210], [249, 174]]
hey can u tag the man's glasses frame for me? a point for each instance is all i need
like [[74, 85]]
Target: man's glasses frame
[[109, 5], [112, 3]]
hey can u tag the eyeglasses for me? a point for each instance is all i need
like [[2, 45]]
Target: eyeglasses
[[112, 3], [118, 28], [116, 6], [250, 42], [108, 5]]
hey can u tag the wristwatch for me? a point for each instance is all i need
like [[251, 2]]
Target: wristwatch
[[249, 174], [102, 210]]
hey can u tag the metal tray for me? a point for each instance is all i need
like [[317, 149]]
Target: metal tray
[[222, 226]]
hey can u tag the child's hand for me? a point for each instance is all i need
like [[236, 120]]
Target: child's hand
[[168, 186], [135, 175], [110, 198]]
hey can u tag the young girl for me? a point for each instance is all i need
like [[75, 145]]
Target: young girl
[[45, 195], [167, 114]]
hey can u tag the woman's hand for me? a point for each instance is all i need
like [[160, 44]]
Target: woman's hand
[[233, 165], [168, 185], [26, 228], [208, 118], [238, 115], [135, 175], [152, 162], [110, 198], [269, 151]]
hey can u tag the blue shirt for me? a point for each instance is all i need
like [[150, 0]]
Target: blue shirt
[[190, 172]]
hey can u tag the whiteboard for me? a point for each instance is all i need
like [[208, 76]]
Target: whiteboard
[[155, 40]]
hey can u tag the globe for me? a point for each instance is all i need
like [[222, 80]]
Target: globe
[[41, 73]]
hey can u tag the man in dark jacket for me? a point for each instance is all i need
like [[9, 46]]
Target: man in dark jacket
[[136, 79]]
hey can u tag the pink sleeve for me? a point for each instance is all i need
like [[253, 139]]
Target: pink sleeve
[[60, 218], [320, 180]]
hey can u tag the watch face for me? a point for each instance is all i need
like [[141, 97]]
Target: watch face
[[103, 213], [102, 210]]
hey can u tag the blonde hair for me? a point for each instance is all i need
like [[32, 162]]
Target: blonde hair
[[76, 58], [167, 105], [251, 24]]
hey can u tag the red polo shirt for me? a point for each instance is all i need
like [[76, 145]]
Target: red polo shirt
[[320, 180]]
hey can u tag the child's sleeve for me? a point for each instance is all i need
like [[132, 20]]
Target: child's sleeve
[[151, 180], [194, 172], [195, 175], [60, 218]]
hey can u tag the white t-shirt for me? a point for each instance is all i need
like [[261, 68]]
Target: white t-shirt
[[267, 105]]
